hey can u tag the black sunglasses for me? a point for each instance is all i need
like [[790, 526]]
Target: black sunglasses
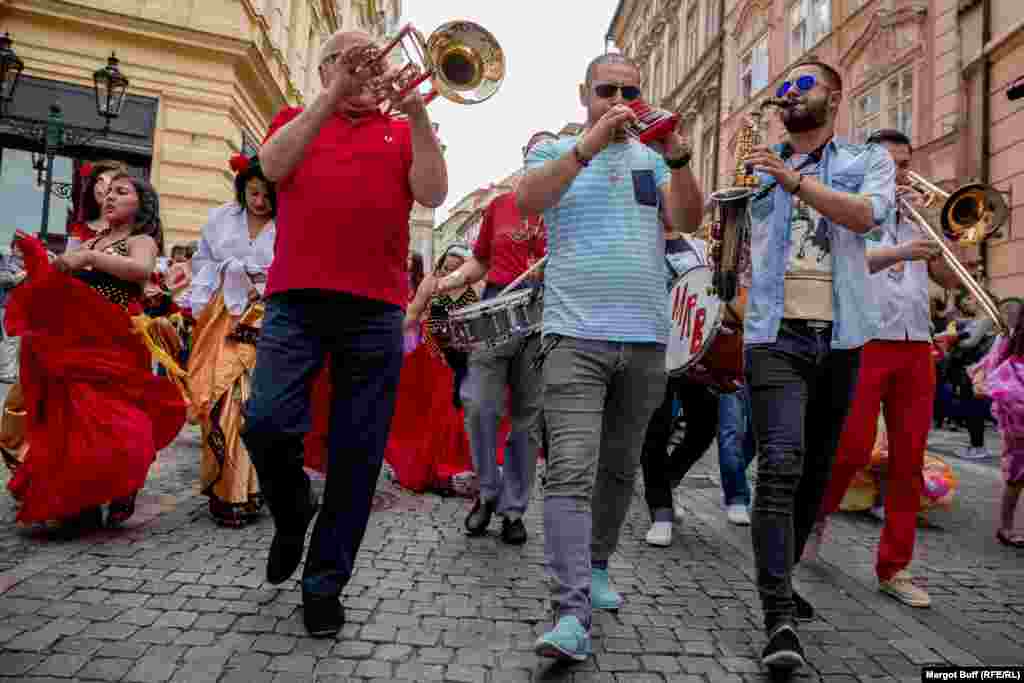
[[607, 91]]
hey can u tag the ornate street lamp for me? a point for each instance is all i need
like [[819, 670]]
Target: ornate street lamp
[[52, 133], [10, 71], [110, 89]]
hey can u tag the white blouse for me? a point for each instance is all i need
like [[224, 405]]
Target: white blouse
[[227, 256]]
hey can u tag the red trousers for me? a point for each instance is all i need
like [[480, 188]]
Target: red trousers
[[901, 377]]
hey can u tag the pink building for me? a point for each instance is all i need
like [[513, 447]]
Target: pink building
[[938, 70]]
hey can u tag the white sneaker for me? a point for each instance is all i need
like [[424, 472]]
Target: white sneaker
[[738, 515], [660, 534], [812, 547], [972, 453]]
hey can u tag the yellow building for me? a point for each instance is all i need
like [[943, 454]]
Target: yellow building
[[205, 81]]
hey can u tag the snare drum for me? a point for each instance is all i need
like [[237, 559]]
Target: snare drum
[[497, 321], [701, 345]]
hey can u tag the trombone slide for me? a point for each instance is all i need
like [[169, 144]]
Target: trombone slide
[[983, 299]]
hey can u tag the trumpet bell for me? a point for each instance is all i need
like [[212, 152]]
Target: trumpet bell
[[469, 64], [973, 213]]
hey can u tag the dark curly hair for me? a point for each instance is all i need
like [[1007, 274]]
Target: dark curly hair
[[147, 218], [243, 178], [91, 209]]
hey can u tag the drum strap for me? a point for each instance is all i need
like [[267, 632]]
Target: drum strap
[[689, 248]]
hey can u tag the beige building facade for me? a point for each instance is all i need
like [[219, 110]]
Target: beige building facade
[[678, 46], [205, 78]]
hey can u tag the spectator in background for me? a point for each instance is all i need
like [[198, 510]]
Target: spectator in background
[[11, 274]]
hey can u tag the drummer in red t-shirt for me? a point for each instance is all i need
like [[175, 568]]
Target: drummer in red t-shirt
[[346, 176], [507, 246]]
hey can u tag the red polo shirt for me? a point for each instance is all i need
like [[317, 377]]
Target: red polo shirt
[[507, 242], [343, 212]]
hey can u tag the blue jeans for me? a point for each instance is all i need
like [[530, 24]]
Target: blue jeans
[[364, 339], [800, 392], [735, 445], [599, 397]]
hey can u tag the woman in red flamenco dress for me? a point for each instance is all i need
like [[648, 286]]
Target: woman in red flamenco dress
[[95, 414]]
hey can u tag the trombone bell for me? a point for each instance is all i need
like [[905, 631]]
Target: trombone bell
[[973, 213]]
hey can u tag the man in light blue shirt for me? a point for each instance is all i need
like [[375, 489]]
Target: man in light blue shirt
[[605, 328], [810, 309]]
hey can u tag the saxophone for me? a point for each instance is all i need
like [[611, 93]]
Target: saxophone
[[730, 234]]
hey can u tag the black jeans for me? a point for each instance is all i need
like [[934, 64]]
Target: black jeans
[[800, 393], [364, 339], [664, 471]]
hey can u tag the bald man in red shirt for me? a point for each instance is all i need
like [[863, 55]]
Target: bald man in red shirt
[[346, 176]]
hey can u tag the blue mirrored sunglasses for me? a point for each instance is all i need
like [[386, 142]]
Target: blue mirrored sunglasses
[[803, 84]]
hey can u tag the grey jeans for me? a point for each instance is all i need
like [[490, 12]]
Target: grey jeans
[[483, 397], [599, 397]]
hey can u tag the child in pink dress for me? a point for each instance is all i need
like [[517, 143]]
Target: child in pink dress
[[1003, 382]]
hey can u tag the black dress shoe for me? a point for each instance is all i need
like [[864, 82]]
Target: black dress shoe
[[783, 651], [802, 610], [513, 532], [324, 617], [286, 548], [479, 518]]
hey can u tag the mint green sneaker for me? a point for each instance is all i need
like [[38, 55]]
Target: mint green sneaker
[[601, 594], [568, 640]]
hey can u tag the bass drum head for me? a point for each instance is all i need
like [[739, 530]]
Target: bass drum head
[[695, 315]]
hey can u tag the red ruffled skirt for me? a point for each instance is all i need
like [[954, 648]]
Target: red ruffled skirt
[[96, 413]]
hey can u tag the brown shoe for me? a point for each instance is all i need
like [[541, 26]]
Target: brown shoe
[[901, 587]]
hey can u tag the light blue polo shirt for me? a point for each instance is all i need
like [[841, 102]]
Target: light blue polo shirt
[[605, 274]]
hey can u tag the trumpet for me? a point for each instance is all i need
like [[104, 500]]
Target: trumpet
[[463, 61], [973, 213]]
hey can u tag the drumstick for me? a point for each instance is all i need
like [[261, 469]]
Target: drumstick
[[512, 285]]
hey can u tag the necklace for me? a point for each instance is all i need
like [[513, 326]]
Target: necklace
[[616, 161]]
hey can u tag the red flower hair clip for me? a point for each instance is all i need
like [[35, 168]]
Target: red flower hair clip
[[85, 170], [239, 163]]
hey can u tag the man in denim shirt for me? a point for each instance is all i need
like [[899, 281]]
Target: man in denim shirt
[[810, 309]]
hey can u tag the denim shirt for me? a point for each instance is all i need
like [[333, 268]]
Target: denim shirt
[[867, 170]]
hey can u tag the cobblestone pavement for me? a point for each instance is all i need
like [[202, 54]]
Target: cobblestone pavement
[[175, 598]]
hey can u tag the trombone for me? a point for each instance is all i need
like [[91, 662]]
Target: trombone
[[969, 215]]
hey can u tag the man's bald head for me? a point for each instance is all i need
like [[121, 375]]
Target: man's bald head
[[339, 41]]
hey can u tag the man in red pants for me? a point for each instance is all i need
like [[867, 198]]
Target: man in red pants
[[897, 371]]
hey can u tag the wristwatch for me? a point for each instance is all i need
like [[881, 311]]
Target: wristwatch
[[580, 159], [676, 164]]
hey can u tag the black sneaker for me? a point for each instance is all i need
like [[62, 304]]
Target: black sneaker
[[802, 610], [513, 532], [286, 548], [783, 651], [324, 617], [479, 518]]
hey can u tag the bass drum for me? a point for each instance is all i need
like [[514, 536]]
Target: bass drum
[[702, 345]]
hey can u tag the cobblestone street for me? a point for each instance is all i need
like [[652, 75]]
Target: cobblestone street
[[175, 598]]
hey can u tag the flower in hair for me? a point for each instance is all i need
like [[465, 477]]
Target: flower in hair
[[239, 163], [85, 170]]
